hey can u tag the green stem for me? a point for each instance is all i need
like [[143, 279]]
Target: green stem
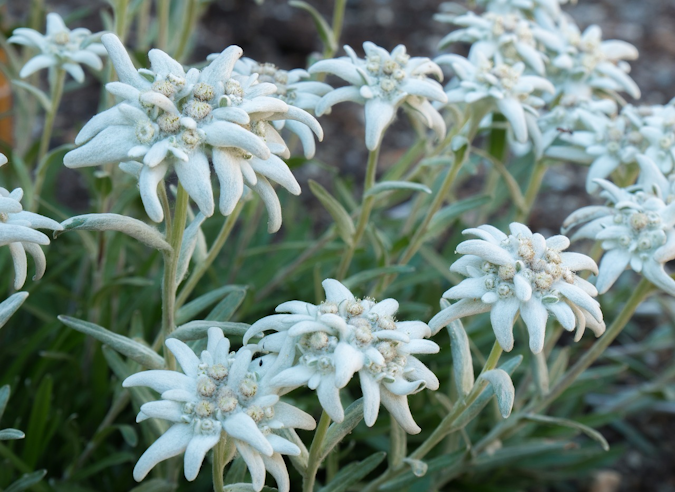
[[639, 294], [218, 465], [366, 209], [314, 462], [41, 171], [121, 16], [189, 18], [533, 188], [169, 283], [446, 425], [163, 19], [418, 238], [217, 245], [338, 21]]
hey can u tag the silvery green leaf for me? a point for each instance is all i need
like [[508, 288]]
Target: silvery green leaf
[[540, 372], [137, 352], [441, 160], [344, 223], [353, 473], [26, 481], [445, 216], [42, 98], [418, 467], [337, 432], [4, 398], [462, 362], [129, 434], [187, 249], [517, 453], [193, 308], [592, 433], [11, 434], [503, 388], [140, 231], [196, 330], [447, 463], [324, 30], [226, 308], [396, 185], [155, 485], [458, 142], [299, 462], [484, 397], [9, 306], [366, 275], [246, 487]]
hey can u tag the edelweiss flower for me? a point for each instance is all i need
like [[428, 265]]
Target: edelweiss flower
[[295, 89], [17, 229], [545, 12], [172, 118], [507, 38], [587, 63], [522, 272], [382, 82], [60, 47], [219, 396], [502, 86], [343, 336], [636, 228], [572, 114]]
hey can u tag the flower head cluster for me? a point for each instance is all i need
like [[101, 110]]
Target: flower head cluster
[[345, 335], [60, 47], [382, 82], [587, 63], [295, 89], [502, 87], [220, 395], [522, 273], [170, 118], [503, 38], [636, 228], [18, 231], [607, 143]]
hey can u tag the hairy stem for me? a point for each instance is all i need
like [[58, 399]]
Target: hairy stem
[[366, 209], [169, 284], [189, 19], [314, 462], [639, 294], [533, 188], [41, 170], [217, 245], [163, 19], [219, 464]]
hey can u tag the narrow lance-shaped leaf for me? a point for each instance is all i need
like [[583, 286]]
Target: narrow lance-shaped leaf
[[193, 308], [10, 305], [187, 249], [444, 217], [462, 362], [325, 32], [137, 352], [446, 463], [225, 309], [395, 186], [592, 433], [140, 231], [11, 434], [503, 388], [353, 473], [26, 481], [337, 432], [344, 223], [42, 97]]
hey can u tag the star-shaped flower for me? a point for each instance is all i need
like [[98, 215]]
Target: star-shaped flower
[[522, 273], [60, 47], [343, 336], [173, 119], [382, 82], [219, 395]]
